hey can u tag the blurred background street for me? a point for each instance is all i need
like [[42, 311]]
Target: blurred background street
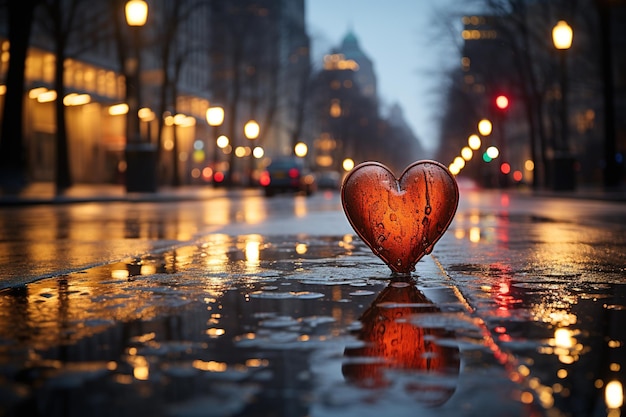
[[153, 94]]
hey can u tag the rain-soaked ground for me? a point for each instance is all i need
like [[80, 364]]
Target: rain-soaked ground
[[514, 314]]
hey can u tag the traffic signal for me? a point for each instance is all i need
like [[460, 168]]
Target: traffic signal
[[502, 102]]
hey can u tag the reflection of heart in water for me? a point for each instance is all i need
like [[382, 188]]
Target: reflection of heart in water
[[392, 342]]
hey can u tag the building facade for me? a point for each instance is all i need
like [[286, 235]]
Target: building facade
[[178, 81]]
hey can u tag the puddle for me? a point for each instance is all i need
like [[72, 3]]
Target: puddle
[[258, 326]]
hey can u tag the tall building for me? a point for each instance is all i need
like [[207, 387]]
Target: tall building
[[365, 77], [348, 118]]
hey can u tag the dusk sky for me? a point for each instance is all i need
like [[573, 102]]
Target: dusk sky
[[407, 41]]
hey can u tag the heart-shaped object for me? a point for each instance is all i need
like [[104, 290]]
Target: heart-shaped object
[[400, 219]]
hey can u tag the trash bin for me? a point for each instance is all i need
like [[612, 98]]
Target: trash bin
[[564, 173], [141, 175]]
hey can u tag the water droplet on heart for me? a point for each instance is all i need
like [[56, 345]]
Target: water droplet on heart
[[399, 262], [428, 210], [393, 217]]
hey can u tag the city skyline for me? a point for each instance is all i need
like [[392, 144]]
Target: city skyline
[[404, 40]]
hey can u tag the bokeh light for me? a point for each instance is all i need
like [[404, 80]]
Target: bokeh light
[[467, 153], [474, 142], [485, 127], [493, 152]]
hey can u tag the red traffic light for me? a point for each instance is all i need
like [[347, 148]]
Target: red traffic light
[[502, 102]]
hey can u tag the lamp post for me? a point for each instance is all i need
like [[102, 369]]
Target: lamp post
[[563, 175], [485, 128], [251, 130], [611, 175], [215, 118], [140, 154]]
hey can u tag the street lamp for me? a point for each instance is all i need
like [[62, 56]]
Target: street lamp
[[485, 127], [474, 142], [251, 130], [300, 149], [140, 154], [215, 118], [562, 36], [136, 12], [347, 164]]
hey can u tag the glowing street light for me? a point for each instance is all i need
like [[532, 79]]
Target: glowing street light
[[136, 12], [347, 164], [215, 116], [251, 129], [562, 35], [485, 127], [474, 142], [300, 149], [467, 153], [258, 152], [222, 141], [454, 169], [140, 155]]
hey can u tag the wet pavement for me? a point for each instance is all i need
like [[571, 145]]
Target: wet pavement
[[246, 306]]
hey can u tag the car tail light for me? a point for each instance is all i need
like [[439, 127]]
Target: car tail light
[[294, 173], [265, 179]]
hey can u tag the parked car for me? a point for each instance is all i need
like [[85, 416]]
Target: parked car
[[287, 175]]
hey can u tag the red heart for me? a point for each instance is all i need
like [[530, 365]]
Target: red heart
[[400, 220]]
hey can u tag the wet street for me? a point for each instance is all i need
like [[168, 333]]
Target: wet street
[[241, 305]]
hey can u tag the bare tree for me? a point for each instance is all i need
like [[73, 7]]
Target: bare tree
[[12, 156], [173, 50], [531, 76], [243, 62], [62, 20]]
